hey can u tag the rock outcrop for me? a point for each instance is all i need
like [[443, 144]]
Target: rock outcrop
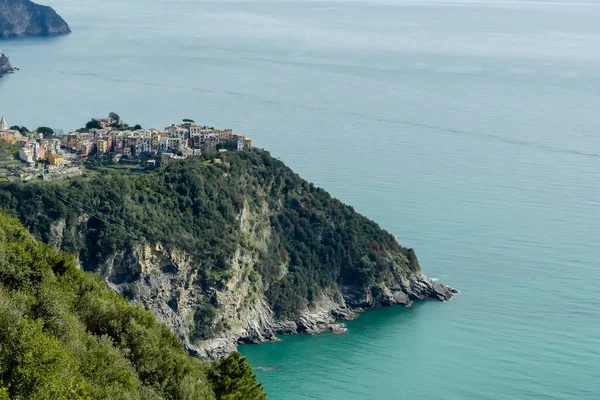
[[165, 281], [5, 67], [26, 18]]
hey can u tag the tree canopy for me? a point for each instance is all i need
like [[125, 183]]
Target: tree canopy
[[233, 379], [93, 124], [196, 204], [115, 117], [21, 129], [65, 335], [47, 132]]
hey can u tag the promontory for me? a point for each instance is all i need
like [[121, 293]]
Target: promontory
[[26, 18], [219, 240]]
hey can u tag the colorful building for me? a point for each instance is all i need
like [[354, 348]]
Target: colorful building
[[72, 140], [9, 137], [102, 146], [85, 149], [55, 159]]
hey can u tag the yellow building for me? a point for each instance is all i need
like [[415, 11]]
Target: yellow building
[[248, 143], [8, 137], [56, 159], [102, 146]]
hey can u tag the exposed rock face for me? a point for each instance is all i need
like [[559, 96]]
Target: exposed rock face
[[5, 67], [166, 282], [23, 17]]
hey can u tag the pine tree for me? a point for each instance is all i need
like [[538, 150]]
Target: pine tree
[[233, 379]]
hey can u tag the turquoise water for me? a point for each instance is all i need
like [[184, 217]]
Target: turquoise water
[[468, 129]]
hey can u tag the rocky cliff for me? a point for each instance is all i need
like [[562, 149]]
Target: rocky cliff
[[226, 249], [5, 67], [26, 18], [244, 315]]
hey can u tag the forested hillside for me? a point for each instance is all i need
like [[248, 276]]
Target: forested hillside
[[65, 335], [227, 236]]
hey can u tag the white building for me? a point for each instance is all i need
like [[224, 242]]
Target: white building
[[27, 154], [239, 142], [177, 131], [3, 124]]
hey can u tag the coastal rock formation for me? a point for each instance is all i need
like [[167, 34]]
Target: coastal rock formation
[[26, 18], [226, 248], [5, 67], [162, 279]]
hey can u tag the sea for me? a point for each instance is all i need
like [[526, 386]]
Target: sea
[[469, 129]]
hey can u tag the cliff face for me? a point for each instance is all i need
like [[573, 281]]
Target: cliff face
[[166, 281], [24, 18], [228, 250], [5, 66]]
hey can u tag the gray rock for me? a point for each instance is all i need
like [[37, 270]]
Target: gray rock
[[5, 67]]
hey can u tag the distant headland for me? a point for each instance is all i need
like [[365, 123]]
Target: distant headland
[[26, 18]]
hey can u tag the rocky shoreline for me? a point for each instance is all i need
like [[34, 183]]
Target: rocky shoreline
[[5, 67], [158, 278]]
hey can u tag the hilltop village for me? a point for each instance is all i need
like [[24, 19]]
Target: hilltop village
[[45, 154]]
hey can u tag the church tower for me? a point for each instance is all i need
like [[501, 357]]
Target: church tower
[[3, 124]]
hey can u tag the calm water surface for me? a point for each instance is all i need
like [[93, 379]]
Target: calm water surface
[[468, 129]]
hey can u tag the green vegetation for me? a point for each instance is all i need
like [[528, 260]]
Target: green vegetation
[[65, 335], [8, 159], [47, 132], [8, 151], [93, 124], [196, 205], [23, 130], [233, 379], [115, 117]]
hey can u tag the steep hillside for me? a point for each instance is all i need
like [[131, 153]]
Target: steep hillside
[[64, 334], [24, 17], [226, 248]]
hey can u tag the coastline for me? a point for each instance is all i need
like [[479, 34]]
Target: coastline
[[327, 316], [155, 287]]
